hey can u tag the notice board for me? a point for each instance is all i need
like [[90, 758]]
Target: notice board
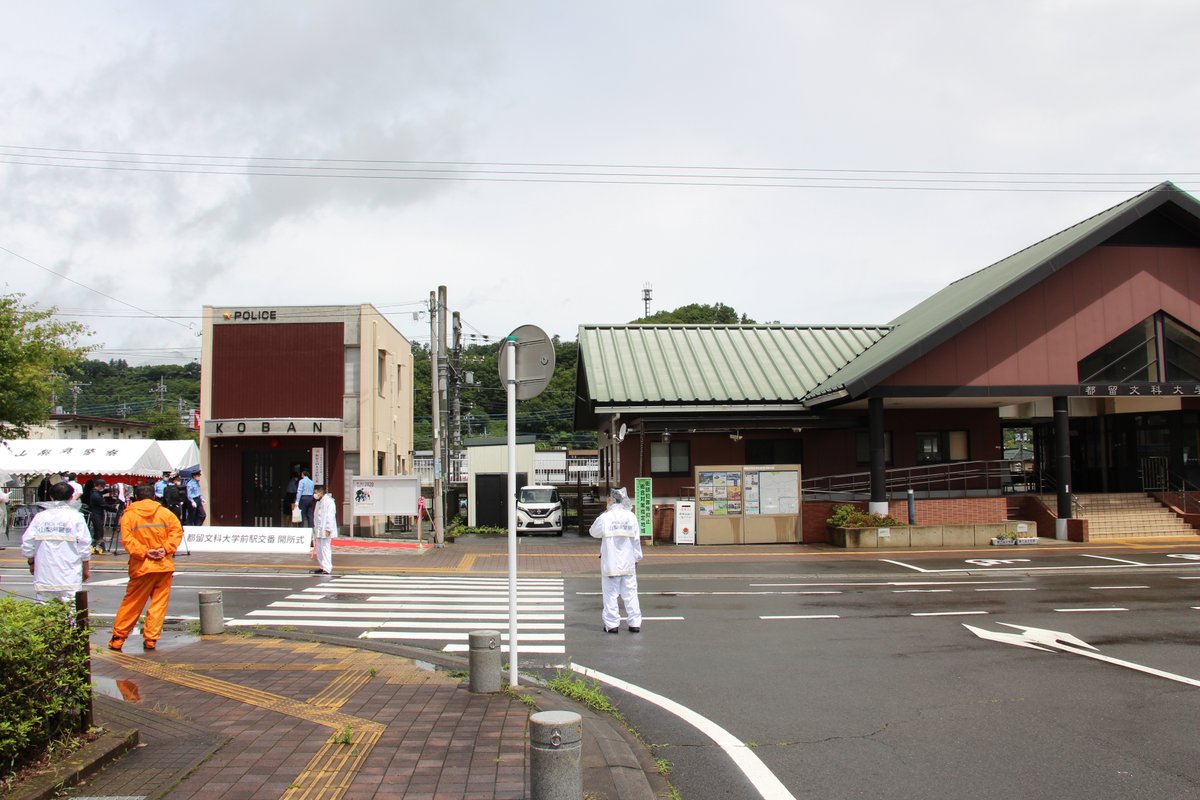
[[384, 495], [748, 504]]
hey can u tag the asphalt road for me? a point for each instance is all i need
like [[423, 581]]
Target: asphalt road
[[842, 677]]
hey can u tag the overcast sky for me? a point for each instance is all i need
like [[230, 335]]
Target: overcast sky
[[806, 162]]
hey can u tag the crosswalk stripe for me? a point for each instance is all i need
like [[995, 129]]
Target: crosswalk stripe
[[442, 611]]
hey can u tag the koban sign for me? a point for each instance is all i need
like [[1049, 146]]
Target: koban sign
[[273, 427]]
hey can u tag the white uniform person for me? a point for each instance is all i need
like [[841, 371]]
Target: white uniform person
[[58, 545], [620, 550], [324, 513]]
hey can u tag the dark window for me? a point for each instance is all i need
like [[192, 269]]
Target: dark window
[[862, 447], [1182, 348], [774, 451], [939, 446], [670, 458], [1156, 345]]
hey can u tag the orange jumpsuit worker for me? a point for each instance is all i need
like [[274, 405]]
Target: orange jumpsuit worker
[[151, 535]]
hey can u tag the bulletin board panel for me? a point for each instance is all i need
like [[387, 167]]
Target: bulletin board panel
[[744, 504]]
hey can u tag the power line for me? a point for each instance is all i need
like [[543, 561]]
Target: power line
[[713, 176], [568, 165], [27, 260]]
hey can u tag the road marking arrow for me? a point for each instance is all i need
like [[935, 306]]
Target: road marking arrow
[[1058, 641]]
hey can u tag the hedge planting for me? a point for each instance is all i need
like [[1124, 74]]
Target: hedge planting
[[44, 683]]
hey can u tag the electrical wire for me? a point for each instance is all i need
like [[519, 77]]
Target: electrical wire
[[623, 174], [28, 260]]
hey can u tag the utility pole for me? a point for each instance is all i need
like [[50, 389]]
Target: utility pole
[[434, 311], [443, 374], [647, 293], [161, 391], [76, 390], [456, 376]]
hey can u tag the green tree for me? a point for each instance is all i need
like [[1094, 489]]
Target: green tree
[[36, 350], [696, 314], [165, 424]]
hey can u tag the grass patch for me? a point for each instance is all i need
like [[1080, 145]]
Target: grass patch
[[584, 690]]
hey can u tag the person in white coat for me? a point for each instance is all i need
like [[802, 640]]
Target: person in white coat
[[620, 550], [58, 546], [324, 513]]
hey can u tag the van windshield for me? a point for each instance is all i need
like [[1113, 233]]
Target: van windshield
[[547, 495]]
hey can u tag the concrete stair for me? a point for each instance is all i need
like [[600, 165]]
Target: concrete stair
[[1121, 516]]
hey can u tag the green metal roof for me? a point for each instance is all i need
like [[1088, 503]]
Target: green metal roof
[[714, 364], [966, 301]]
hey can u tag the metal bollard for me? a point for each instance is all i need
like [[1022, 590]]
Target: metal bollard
[[555, 755], [212, 613], [484, 661]]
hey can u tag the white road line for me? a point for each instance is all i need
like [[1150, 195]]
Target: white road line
[[466, 626], [309, 623], [661, 619], [907, 566], [525, 648], [1106, 588], [768, 786], [1118, 560], [1075, 610], [920, 591], [1013, 589], [888, 583], [1189, 577], [406, 607], [461, 636], [947, 613], [803, 616], [691, 594]]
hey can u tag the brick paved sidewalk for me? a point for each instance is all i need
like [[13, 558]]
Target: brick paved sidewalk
[[242, 717]]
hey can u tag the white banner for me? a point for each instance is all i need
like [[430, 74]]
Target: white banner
[[318, 465], [213, 539]]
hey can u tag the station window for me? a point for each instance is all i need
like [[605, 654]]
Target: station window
[[774, 451], [381, 373], [940, 446], [670, 458]]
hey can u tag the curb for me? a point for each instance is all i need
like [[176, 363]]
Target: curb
[[83, 763], [617, 767]]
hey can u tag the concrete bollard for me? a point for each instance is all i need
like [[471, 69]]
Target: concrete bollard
[[555, 755], [212, 613], [484, 651]]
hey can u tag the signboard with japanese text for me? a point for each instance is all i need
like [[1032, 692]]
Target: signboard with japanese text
[[643, 505], [1139, 390], [385, 495], [214, 539], [318, 465]]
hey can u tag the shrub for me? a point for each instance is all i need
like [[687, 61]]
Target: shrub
[[43, 657], [847, 516]]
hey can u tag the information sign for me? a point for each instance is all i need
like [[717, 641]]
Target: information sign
[[385, 495], [643, 505]]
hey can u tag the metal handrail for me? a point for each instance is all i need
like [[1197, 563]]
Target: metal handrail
[[989, 476], [1045, 479], [1189, 492]]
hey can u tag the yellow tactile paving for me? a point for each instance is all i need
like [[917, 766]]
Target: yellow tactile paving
[[341, 689], [329, 773]]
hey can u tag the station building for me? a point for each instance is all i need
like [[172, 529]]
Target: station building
[[323, 388], [1087, 343]]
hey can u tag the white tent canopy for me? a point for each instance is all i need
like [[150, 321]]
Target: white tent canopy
[[86, 456], [180, 452]]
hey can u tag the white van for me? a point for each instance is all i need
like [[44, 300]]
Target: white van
[[539, 510]]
